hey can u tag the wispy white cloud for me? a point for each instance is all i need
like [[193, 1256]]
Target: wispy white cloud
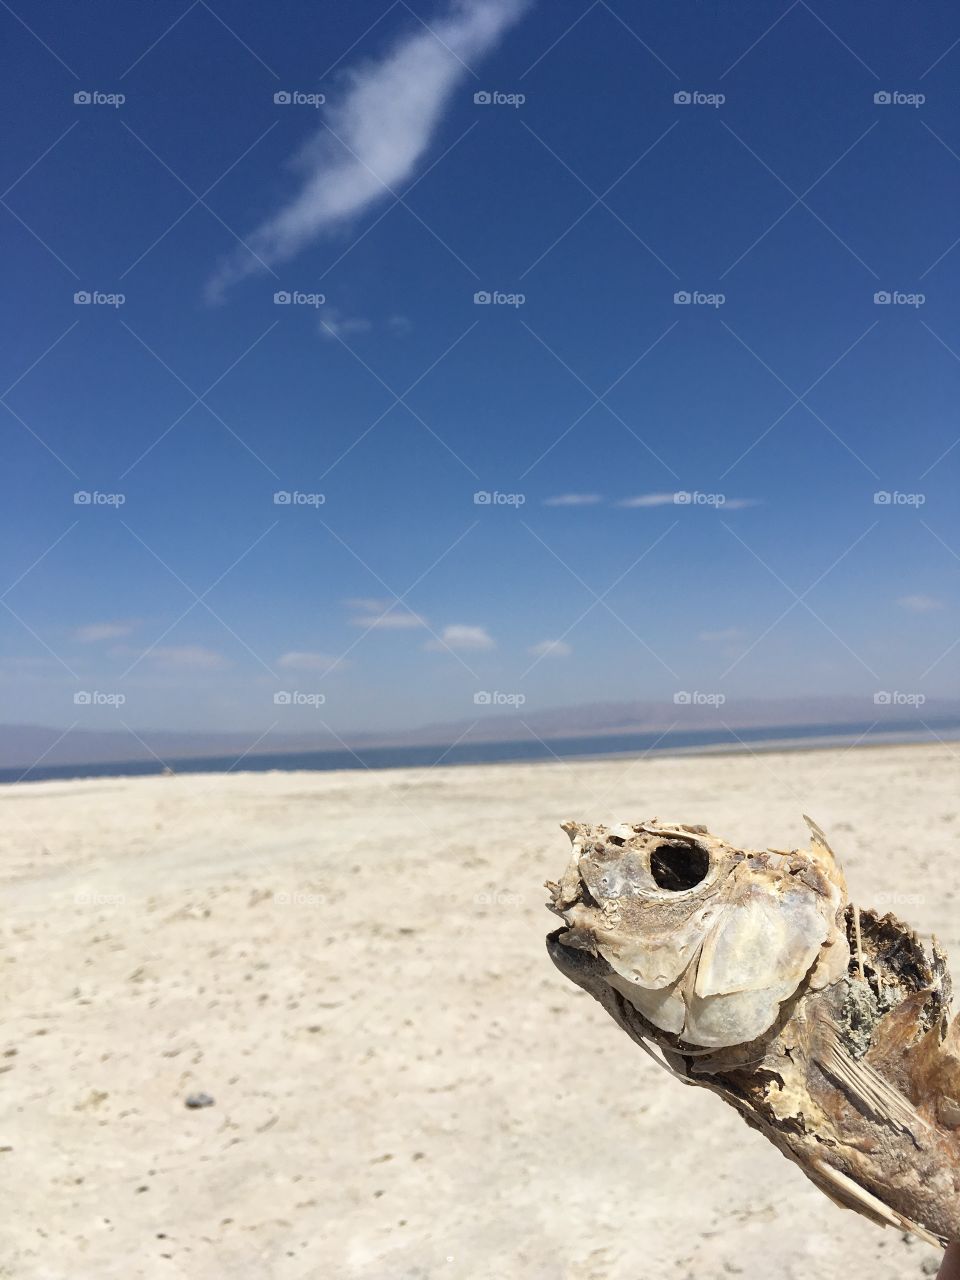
[[459, 636], [307, 661], [333, 325], [93, 632], [573, 500], [725, 636], [648, 500], [186, 655], [551, 649], [378, 128], [384, 614], [688, 498], [920, 604]]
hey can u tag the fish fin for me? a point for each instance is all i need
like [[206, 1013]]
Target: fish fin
[[819, 838], [850, 1195], [868, 1090]]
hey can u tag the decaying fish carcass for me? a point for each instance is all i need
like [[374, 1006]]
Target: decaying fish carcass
[[827, 1027]]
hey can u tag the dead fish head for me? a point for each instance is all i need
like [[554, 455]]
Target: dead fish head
[[705, 940]]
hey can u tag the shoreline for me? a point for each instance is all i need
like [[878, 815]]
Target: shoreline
[[118, 770]]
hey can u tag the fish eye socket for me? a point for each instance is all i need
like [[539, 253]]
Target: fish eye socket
[[677, 867]]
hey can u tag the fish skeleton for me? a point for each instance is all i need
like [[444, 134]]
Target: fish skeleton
[[752, 974]]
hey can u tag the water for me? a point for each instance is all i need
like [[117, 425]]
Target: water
[[654, 744]]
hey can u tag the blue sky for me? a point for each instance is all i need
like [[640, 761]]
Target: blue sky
[[782, 198]]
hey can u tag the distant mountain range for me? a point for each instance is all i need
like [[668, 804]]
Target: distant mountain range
[[24, 745]]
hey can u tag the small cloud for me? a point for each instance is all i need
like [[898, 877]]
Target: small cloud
[[387, 615], [920, 604], [94, 631], [333, 325], [186, 655], [396, 621], [400, 325], [367, 604], [573, 500], [383, 613], [307, 661], [724, 636], [459, 636], [740, 504], [647, 500], [551, 649]]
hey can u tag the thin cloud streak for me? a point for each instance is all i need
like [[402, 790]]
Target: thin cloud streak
[[648, 500], [186, 656], [920, 604], [461, 636], [375, 135], [573, 500], [299, 660], [96, 631], [551, 649]]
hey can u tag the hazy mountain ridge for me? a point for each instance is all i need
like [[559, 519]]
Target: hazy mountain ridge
[[26, 745]]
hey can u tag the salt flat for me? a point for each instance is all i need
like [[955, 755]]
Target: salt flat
[[351, 965]]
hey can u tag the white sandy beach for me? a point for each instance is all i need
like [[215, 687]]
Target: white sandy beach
[[352, 966]]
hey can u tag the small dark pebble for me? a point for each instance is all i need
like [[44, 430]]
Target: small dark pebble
[[196, 1100]]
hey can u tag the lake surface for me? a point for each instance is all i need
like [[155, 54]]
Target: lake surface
[[782, 736]]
